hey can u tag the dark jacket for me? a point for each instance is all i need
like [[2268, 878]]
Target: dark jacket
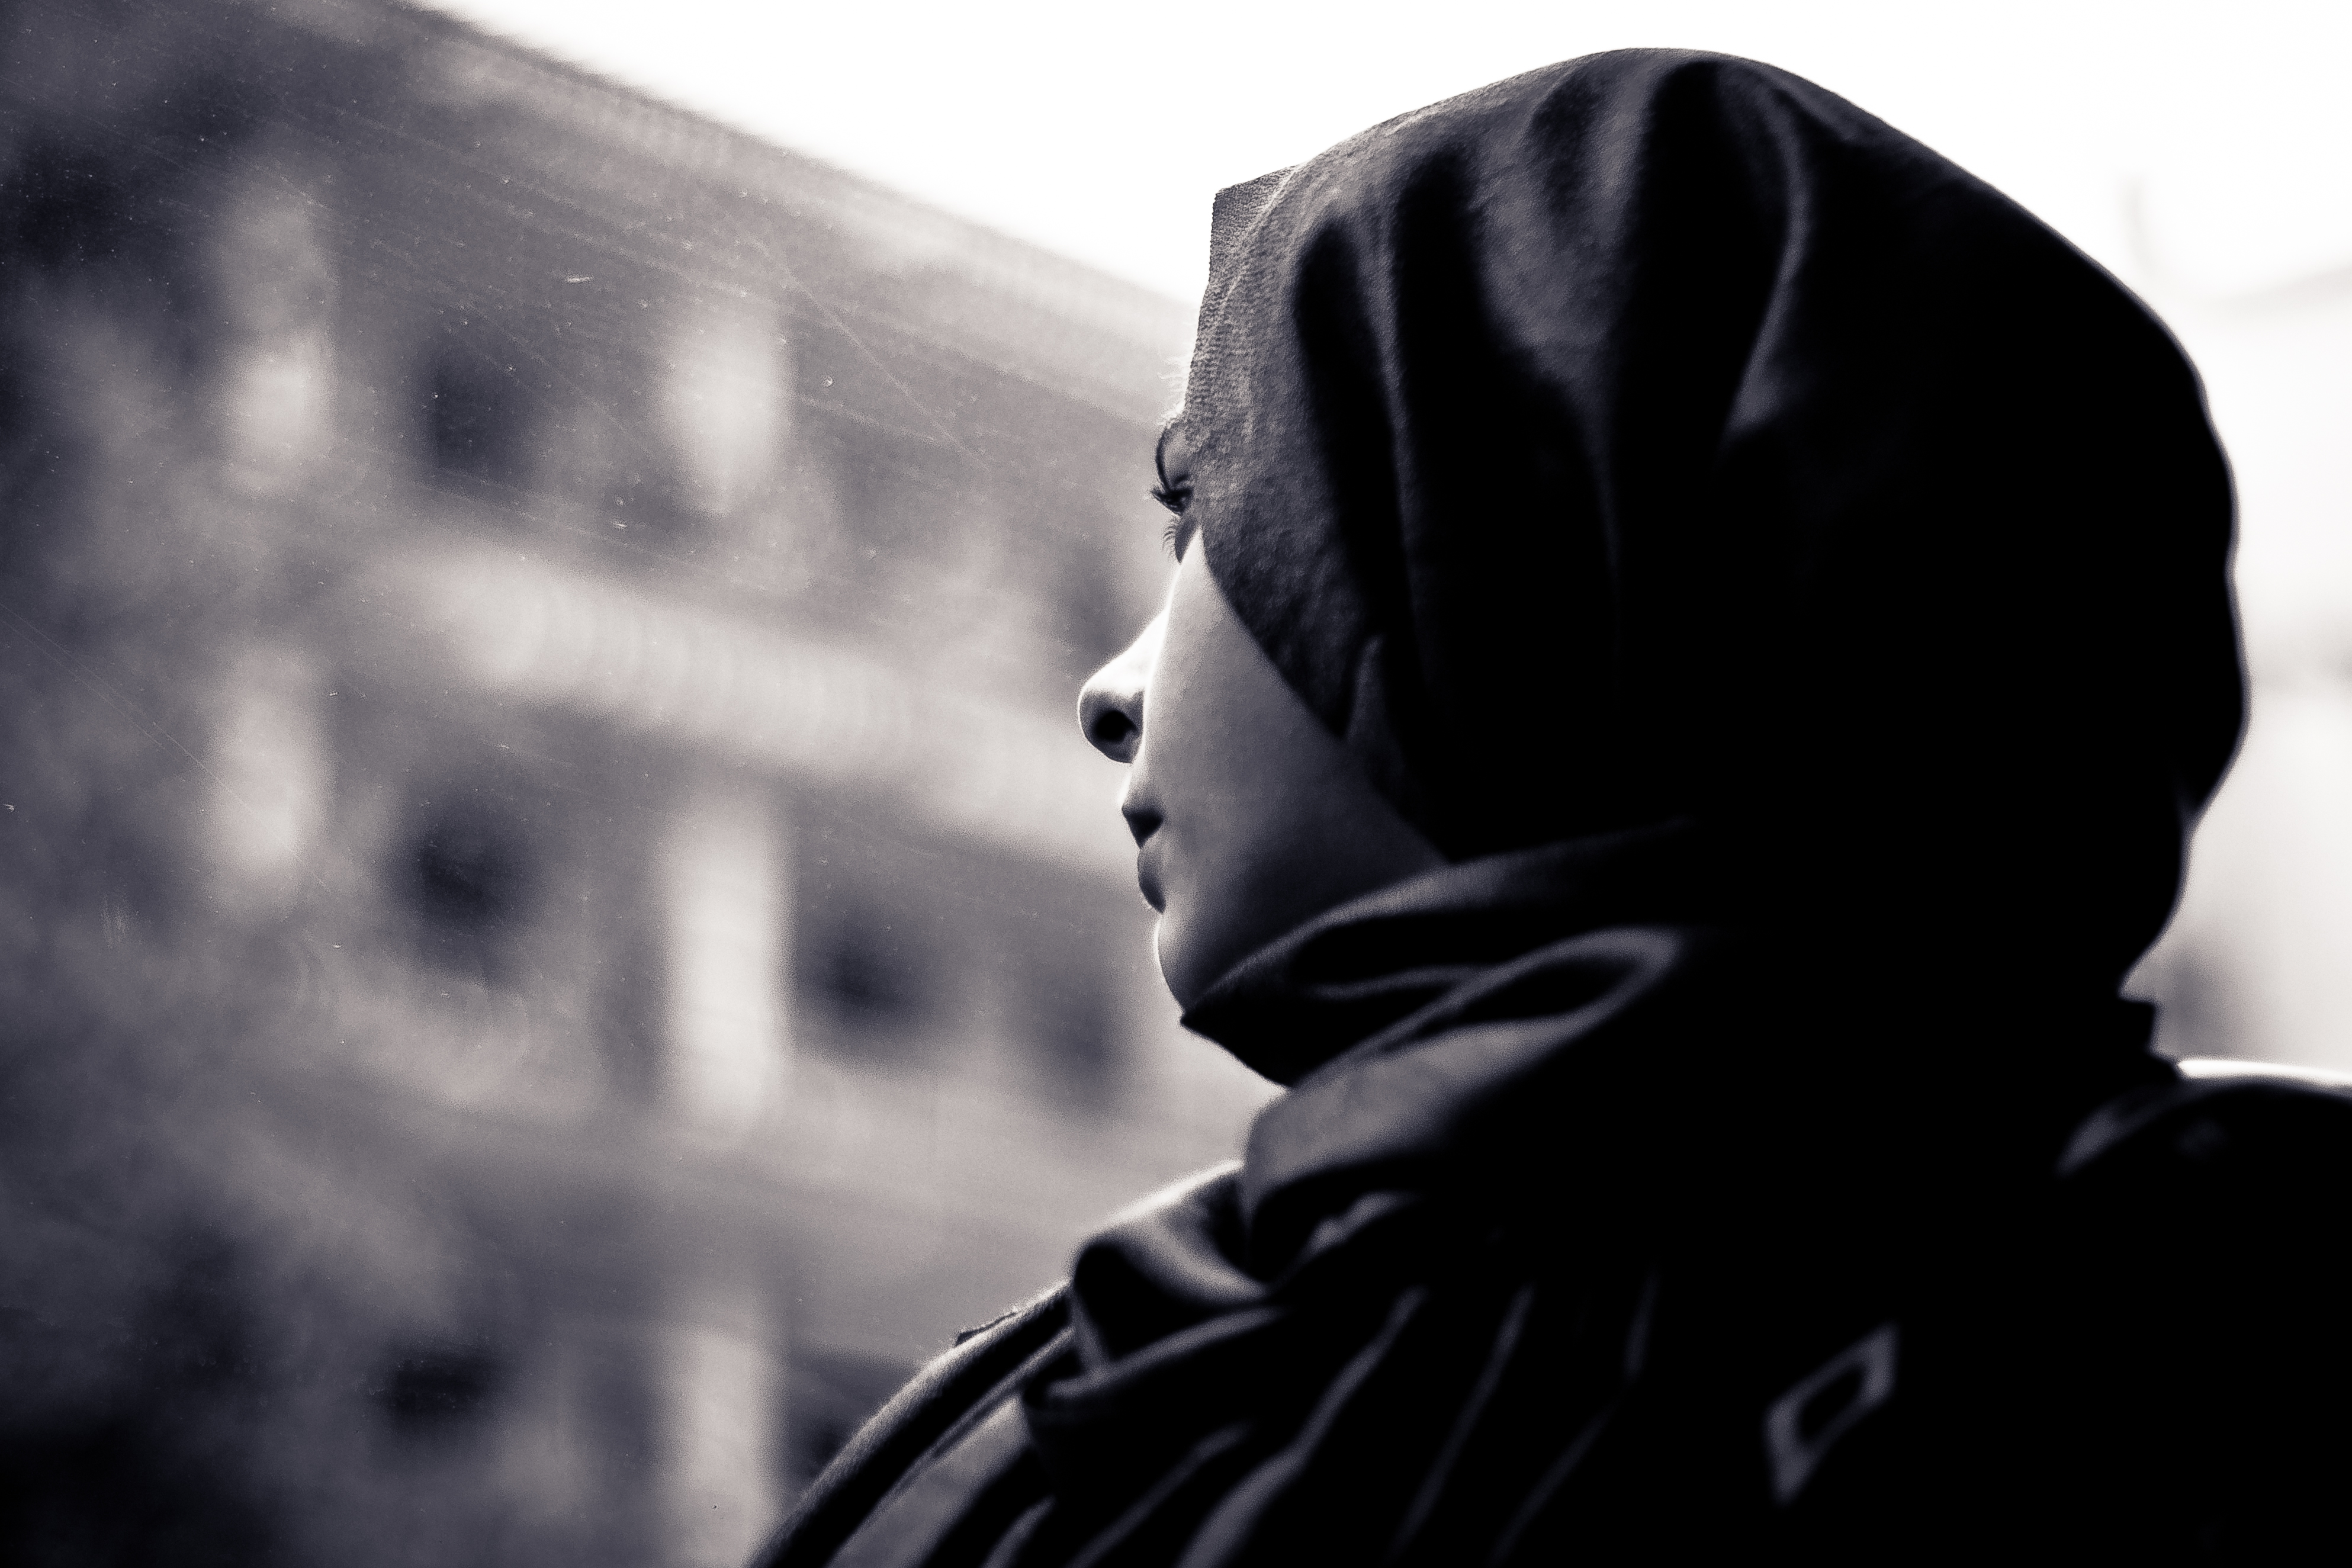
[[2149, 1364], [1616, 1240]]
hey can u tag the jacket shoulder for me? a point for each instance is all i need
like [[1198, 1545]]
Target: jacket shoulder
[[934, 1407], [2238, 1121], [2197, 1238], [2210, 1210]]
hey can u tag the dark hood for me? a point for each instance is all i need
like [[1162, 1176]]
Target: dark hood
[[1658, 437]]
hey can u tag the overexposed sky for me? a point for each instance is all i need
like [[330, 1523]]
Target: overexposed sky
[[1101, 130]]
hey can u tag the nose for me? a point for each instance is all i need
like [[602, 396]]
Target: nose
[[1110, 704]]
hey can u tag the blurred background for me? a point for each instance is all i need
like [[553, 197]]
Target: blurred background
[[556, 934]]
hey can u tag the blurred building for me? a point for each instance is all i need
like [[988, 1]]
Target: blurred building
[[557, 935]]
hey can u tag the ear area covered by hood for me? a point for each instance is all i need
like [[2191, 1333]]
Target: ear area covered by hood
[[1658, 436]]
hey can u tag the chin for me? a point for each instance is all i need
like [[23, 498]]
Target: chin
[[1159, 951], [1175, 973]]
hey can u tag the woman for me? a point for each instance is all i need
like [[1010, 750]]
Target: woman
[[1701, 630]]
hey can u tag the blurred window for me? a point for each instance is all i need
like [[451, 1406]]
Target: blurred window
[[439, 1391], [476, 418], [468, 872], [869, 969]]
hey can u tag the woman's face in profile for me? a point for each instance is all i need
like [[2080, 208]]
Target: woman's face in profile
[[1249, 816]]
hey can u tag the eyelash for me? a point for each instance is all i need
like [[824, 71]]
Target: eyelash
[[1172, 537]]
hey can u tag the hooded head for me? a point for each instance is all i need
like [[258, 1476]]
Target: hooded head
[[1658, 437]]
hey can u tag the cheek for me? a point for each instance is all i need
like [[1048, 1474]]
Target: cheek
[[1216, 743], [1185, 768], [1176, 769]]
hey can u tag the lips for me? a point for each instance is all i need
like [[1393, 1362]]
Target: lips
[[1144, 823]]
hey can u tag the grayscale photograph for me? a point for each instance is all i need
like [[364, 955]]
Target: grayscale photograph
[[1222, 786]]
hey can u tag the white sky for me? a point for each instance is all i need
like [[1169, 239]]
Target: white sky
[[1101, 130]]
